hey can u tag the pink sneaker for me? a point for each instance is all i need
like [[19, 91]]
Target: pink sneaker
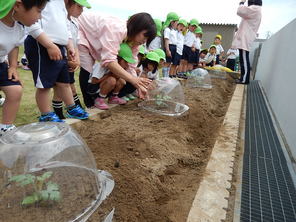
[[100, 103], [116, 100]]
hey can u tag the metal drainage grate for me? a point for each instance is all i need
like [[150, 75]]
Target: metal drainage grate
[[268, 192]]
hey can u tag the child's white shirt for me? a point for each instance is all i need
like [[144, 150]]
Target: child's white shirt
[[189, 39], [53, 22], [209, 58], [153, 76], [98, 71], [234, 53], [10, 37], [74, 28], [197, 43], [155, 44], [171, 35], [219, 49], [180, 43]]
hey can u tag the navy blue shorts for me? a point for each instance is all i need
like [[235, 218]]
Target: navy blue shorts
[[72, 79], [173, 49], [217, 59], [196, 56], [188, 54], [46, 72], [4, 81], [177, 59]]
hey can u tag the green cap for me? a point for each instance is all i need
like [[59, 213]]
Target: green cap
[[83, 3], [153, 56], [194, 22], [5, 7], [142, 50], [213, 46], [172, 16], [160, 53], [198, 30], [126, 53], [183, 22], [158, 24]]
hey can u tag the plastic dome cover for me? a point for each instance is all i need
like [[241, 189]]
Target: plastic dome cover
[[199, 78], [165, 97], [47, 173], [217, 72]]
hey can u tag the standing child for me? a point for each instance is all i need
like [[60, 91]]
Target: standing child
[[182, 26], [232, 54], [188, 58], [46, 53], [74, 9], [170, 41], [12, 34], [246, 34], [197, 44], [219, 48], [156, 42]]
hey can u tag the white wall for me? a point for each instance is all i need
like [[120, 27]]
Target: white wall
[[277, 71]]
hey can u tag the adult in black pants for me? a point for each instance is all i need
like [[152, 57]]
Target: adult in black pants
[[83, 81], [246, 34]]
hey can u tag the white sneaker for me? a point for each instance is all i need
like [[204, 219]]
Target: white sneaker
[[2, 100], [5, 130]]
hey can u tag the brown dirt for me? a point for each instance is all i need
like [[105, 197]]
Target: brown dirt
[[77, 189], [157, 161]]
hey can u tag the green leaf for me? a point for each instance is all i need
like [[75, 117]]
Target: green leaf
[[17, 178], [28, 180], [45, 176], [29, 200], [44, 195], [52, 186], [55, 195]]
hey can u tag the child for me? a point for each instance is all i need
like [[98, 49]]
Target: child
[[246, 34], [74, 9], [150, 65], [182, 26], [197, 44], [170, 41], [156, 42], [219, 48], [202, 61], [210, 58], [103, 82], [188, 59], [232, 54], [45, 51], [12, 34]]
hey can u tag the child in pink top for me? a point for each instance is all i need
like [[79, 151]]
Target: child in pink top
[[246, 34], [100, 39]]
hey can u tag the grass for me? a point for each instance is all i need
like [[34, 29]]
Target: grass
[[28, 111]]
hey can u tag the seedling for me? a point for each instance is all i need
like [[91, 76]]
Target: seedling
[[38, 183], [159, 100]]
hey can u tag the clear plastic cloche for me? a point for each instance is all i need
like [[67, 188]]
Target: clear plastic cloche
[[218, 72], [47, 173], [165, 97], [199, 78]]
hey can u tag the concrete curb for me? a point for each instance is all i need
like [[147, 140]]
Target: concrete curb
[[92, 114], [211, 200]]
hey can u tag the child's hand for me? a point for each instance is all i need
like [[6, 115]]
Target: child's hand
[[193, 49], [13, 75], [73, 65], [169, 54], [54, 52]]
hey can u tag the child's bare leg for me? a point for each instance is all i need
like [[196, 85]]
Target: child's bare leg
[[120, 83], [11, 105], [43, 100], [107, 86], [57, 103], [65, 93], [173, 70]]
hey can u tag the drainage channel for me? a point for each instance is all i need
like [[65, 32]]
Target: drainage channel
[[268, 192]]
